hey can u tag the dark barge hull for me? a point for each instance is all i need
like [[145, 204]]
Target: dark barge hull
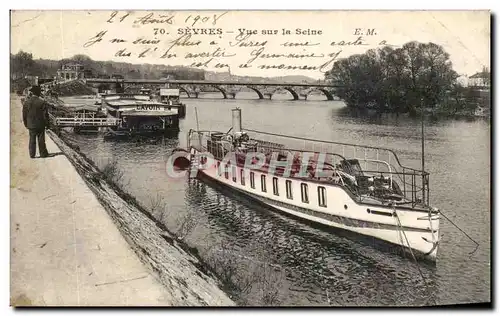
[[172, 131]]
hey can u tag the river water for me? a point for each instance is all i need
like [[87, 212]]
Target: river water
[[289, 262]]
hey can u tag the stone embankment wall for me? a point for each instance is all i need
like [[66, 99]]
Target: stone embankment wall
[[178, 268]]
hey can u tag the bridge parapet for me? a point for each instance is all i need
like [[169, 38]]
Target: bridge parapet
[[230, 88]]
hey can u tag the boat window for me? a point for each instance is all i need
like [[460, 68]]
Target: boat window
[[304, 192], [322, 196], [218, 168], [226, 172], [242, 176], [233, 173], [252, 180], [289, 189], [275, 186], [263, 183]]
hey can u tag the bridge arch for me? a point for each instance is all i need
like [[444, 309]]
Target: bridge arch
[[289, 89], [294, 94], [185, 91], [119, 87], [102, 87], [261, 96], [222, 90], [328, 94]]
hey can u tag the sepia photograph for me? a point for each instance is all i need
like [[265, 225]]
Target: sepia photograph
[[233, 158]]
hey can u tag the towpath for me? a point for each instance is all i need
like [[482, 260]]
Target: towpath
[[65, 249]]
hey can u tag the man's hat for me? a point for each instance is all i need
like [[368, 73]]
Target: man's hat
[[36, 90]]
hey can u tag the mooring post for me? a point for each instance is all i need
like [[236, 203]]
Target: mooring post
[[423, 152]]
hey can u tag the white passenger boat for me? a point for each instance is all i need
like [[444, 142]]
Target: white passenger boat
[[361, 189]]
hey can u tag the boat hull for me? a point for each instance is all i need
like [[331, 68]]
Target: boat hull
[[416, 232], [169, 131]]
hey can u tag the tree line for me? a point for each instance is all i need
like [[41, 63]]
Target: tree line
[[23, 64], [402, 80]]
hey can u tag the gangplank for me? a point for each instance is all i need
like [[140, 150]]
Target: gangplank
[[80, 120]]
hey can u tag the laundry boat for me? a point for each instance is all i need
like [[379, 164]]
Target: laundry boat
[[138, 114]]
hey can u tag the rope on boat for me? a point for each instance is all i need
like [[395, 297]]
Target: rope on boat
[[460, 229], [409, 246], [411, 251]]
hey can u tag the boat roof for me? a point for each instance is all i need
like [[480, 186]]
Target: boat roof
[[125, 97], [148, 113], [134, 102], [130, 100], [83, 108]]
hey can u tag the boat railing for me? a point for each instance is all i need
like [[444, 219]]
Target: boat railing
[[198, 139], [406, 175], [125, 96], [370, 157], [378, 163], [347, 150], [80, 120]]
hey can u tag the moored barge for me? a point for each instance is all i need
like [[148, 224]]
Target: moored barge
[[139, 114]]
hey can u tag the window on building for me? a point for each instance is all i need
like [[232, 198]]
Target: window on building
[[263, 183], [322, 196], [304, 192], [275, 186], [252, 180], [242, 176], [289, 194]]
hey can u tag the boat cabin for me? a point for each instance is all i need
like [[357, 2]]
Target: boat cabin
[[145, 91], [172, 98], [169, 96]]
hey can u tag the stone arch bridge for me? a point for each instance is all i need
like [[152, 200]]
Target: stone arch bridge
[[228, 89]]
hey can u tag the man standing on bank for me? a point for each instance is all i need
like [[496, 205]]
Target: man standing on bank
[[36, 118]]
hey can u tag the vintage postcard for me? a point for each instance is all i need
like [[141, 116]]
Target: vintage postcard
[[250, 158]]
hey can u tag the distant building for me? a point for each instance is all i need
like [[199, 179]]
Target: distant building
[[87, 73], [480, 80], [71, 71], [463, 80]]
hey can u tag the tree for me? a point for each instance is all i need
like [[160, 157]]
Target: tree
[[395, 80], [457, 100], [22, 64]]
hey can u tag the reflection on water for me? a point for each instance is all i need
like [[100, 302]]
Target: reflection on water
[[310, 265]]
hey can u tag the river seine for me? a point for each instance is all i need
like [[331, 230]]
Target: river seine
[[294, 263]]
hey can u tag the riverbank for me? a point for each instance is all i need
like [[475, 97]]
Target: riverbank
[[433, 115], [67, 249]]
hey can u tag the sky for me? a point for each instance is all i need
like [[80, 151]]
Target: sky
[[465, 35]]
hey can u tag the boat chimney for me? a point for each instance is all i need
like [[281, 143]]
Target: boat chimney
[[236, 120]]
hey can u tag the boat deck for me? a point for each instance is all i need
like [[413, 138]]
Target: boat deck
[[363, 170]]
